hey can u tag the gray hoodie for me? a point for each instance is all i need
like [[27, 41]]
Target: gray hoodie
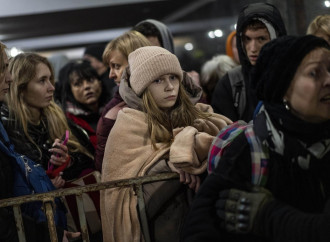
[[167, 38]]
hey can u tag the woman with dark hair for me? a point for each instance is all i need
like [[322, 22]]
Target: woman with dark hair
[[83, 96], [285, 149]]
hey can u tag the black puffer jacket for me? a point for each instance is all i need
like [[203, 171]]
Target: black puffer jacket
[[40, 135], [222, 100]]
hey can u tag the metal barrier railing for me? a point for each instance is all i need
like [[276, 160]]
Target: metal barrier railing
[[48, 201]]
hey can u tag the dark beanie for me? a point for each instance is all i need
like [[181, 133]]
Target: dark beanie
[[278, 62], [95, 51]]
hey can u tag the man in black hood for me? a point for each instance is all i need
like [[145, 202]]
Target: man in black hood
[[257, 24]]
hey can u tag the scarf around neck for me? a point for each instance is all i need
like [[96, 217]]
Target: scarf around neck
[[287, 135]]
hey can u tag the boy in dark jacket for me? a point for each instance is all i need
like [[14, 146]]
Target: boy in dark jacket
[[257, 24]]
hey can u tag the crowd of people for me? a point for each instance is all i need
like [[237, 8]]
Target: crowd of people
[[249, 138]]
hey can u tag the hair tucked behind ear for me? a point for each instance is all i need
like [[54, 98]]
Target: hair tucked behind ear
[[162, 123]]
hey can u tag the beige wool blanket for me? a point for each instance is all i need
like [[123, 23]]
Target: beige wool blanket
[[129, 153]]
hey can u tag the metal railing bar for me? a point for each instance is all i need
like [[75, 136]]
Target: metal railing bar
[[87, 188], [48, 201], [19, 223], [48, 206], [82, 218], [142, 213]]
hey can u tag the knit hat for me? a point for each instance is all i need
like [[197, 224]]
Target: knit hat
[[149, 63], [278, 62], [95, 51]]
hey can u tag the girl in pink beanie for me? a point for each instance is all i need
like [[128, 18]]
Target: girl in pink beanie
[[161, 131]]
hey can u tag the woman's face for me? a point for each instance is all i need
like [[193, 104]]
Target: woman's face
[[165, 90], [39, 91], [309, 92], [117, 64], [85, 92]]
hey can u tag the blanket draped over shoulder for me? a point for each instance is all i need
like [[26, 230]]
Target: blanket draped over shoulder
[[129, 153]]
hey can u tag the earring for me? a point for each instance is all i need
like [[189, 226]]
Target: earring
[[286, 104]]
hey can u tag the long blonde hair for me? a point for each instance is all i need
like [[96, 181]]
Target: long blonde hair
[[162, 123], [23, 70]]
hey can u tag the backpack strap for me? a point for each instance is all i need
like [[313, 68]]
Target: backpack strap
[[238, 89], [223, 140], [259, 157]]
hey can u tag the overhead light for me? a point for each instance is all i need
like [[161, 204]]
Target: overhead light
[[218, 33], [189, 46], [14, 52], [211, 35], [327, 4]]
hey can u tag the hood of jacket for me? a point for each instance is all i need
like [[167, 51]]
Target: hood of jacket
[[266, 13], [133, 101], [167, 38]]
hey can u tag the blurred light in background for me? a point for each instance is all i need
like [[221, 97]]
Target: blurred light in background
[[215, 34], [218, 33], [327, 4], [189, 46], [14, 52]]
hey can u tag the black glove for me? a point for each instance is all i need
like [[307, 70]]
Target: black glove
[[238, 209]]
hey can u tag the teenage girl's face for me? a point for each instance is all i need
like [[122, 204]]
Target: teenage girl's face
[[117, 64], [39, 91], [5, 78], [165, 90], [309, 91]]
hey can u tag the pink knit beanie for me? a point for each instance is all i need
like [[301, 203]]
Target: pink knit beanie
[[149, 63]]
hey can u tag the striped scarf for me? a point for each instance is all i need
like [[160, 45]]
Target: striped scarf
[[259, 153]]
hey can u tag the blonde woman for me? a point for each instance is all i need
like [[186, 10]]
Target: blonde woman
[[162, 131], [116, 57], [36, 124], [320, 27]]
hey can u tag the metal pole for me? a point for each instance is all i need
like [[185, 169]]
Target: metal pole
[[48, 205], [19, 223], [82, 218]]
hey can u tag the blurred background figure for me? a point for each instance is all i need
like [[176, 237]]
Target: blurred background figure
[[93, 54], [58, 61], [320, 27], [212, 71], [231, 48]]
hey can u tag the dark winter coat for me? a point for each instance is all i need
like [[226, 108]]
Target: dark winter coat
[[300, 210], [103, 129]]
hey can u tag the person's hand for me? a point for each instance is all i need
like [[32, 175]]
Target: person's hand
[[60, 153], [113, 112], [192, 181], [58, 182], [238, 209], [70, 235]]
